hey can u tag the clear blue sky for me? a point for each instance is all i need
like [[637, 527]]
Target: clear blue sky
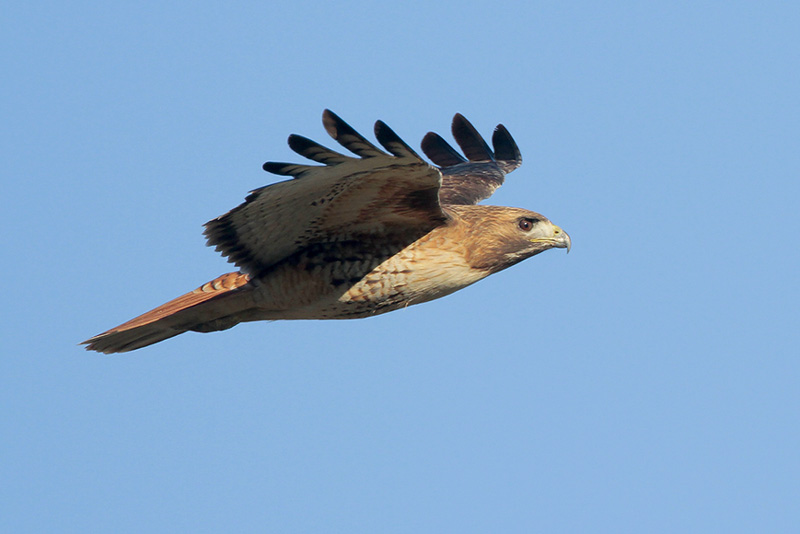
[[649, 381]]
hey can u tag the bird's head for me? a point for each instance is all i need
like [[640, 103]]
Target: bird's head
[[504, 236]]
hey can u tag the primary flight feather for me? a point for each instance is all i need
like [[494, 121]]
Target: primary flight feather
[[355, 236]]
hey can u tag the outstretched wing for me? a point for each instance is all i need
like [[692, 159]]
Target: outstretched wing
[[474, 178], [393, 194]]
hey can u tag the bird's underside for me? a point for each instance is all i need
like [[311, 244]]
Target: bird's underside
[[356, 236]]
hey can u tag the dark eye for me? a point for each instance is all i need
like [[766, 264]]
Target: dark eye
[[526, 224]]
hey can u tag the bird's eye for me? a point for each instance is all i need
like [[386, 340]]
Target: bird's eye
[[526, 224]]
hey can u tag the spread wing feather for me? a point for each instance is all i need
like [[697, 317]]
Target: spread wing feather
[[474, 178], [346, 136], [506, 151], [470, 141], [316, 152], [346, 198], [392, 142], [440, 151]]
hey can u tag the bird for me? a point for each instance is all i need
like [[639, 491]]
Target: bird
[[356, 235]]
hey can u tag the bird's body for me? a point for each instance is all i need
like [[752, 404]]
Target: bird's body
[[355, 279], [360, 278], [353, 238]]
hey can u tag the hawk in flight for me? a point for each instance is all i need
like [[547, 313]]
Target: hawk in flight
[[357, 235]]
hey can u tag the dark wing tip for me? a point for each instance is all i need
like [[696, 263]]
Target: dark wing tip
[[331, 121], [476, 178], [439, 151], [315, 151], [392, 142], [470, 141], [285, 169], [345, 135], [506, 150]]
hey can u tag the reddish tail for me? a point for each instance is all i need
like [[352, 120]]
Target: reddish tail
[[212, 306]]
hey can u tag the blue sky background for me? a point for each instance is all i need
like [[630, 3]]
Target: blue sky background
[[646, 382]]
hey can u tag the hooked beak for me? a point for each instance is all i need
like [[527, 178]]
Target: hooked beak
[[561, 238]]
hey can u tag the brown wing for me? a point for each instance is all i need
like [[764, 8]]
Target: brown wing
[[375, 194], [474, 178]]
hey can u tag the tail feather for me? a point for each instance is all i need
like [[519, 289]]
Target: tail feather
[[208, 308]]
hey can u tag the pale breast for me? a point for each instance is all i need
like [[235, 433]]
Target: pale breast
[[359, 279]]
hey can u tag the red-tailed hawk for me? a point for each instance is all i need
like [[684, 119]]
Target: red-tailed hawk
[[356, 236]]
